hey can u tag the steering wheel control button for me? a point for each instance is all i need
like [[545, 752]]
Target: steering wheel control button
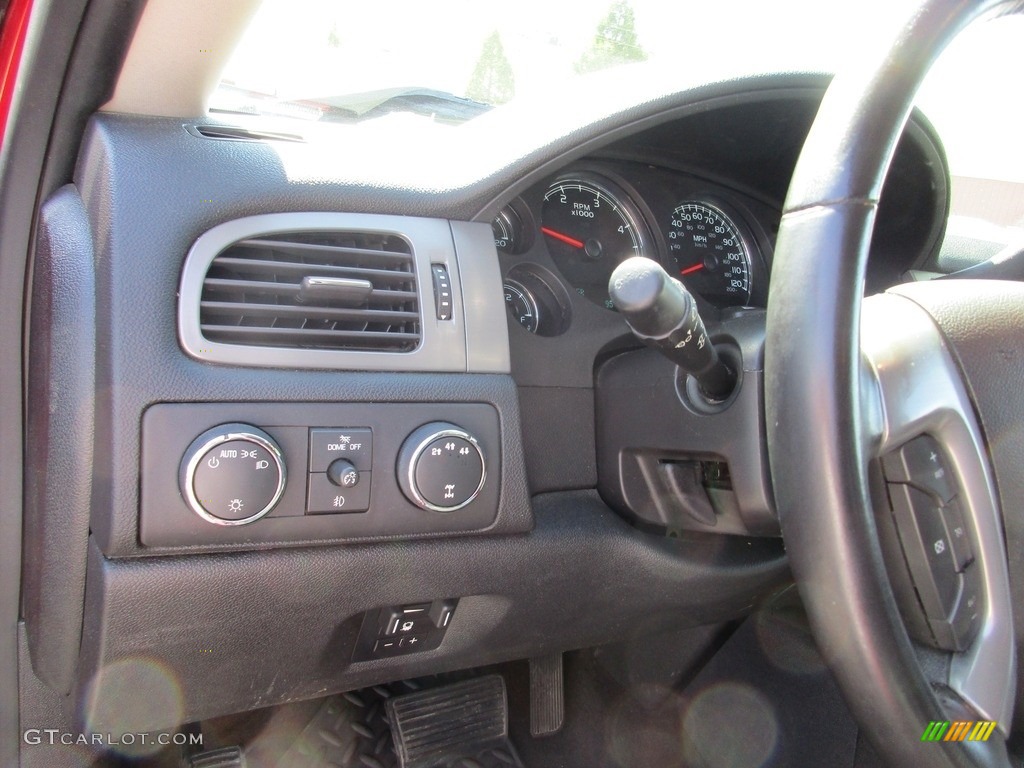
[[343, 474], [328, 445], [233, 474], [441, 467], [922, 463], [958, 632], [928, 550], [324, 496], [957, 532], [967, 618]]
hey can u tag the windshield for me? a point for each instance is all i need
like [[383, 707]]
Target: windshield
[[451, 60], [410, 66]]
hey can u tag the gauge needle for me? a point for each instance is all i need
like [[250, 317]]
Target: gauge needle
[[564, 238], [691, 270]]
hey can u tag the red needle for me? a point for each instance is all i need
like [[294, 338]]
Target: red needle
[[691, 270], [564, 238]]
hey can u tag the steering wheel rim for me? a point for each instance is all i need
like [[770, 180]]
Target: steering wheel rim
[[818, 417]]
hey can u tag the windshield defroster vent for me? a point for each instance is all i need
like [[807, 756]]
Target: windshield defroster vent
[[330, 291]]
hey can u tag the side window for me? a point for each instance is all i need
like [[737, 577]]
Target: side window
[[972, 98]]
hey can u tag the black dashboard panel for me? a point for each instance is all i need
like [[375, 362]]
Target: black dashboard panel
[[582, 576]]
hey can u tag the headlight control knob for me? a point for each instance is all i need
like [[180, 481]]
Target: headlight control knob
[[441, 467], [232, 474]]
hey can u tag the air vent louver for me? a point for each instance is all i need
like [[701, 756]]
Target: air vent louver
[[330, 290]]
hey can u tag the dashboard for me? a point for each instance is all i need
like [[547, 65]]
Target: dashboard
[[434, 398]]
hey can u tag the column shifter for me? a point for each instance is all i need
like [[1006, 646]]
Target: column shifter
[[663, 315]]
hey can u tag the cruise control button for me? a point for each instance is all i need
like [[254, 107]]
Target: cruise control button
[[328, 445], [928, 550], [958, 632], [921, 462], [957, 532], [967, 618]]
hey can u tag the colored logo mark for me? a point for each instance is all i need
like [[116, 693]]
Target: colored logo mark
[[960, 730]]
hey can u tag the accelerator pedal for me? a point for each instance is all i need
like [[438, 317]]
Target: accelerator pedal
[[547, 695], [465, 721]]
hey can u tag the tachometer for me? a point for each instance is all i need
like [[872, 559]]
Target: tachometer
[[709, 253], [590, 227]]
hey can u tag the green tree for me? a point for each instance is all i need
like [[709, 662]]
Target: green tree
[[492, 81], [615, 42]]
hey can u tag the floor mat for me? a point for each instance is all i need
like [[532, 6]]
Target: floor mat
[[347, 730]]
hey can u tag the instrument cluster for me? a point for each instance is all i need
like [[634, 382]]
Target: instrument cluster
[[717, 241]]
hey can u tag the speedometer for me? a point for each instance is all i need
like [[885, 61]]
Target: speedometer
[[591, 226], [710, 254]]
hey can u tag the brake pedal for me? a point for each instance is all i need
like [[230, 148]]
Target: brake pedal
[[547, 695], [467, 720]]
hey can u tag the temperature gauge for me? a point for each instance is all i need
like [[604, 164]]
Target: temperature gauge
[[508, 230]]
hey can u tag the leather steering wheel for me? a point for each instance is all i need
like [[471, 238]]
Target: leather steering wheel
[[848, 381]]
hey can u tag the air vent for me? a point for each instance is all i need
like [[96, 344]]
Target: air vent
[[323, 291], [237, 133]]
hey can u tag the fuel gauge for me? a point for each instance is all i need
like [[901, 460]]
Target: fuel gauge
[[537, 300], [522, 305]]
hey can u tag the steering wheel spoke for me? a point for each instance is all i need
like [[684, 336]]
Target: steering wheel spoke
[[942, 500]]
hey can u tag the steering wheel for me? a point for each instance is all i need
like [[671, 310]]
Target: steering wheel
[[849, 382]]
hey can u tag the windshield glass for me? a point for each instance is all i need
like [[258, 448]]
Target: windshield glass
[[451, 60], [409, 66]]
